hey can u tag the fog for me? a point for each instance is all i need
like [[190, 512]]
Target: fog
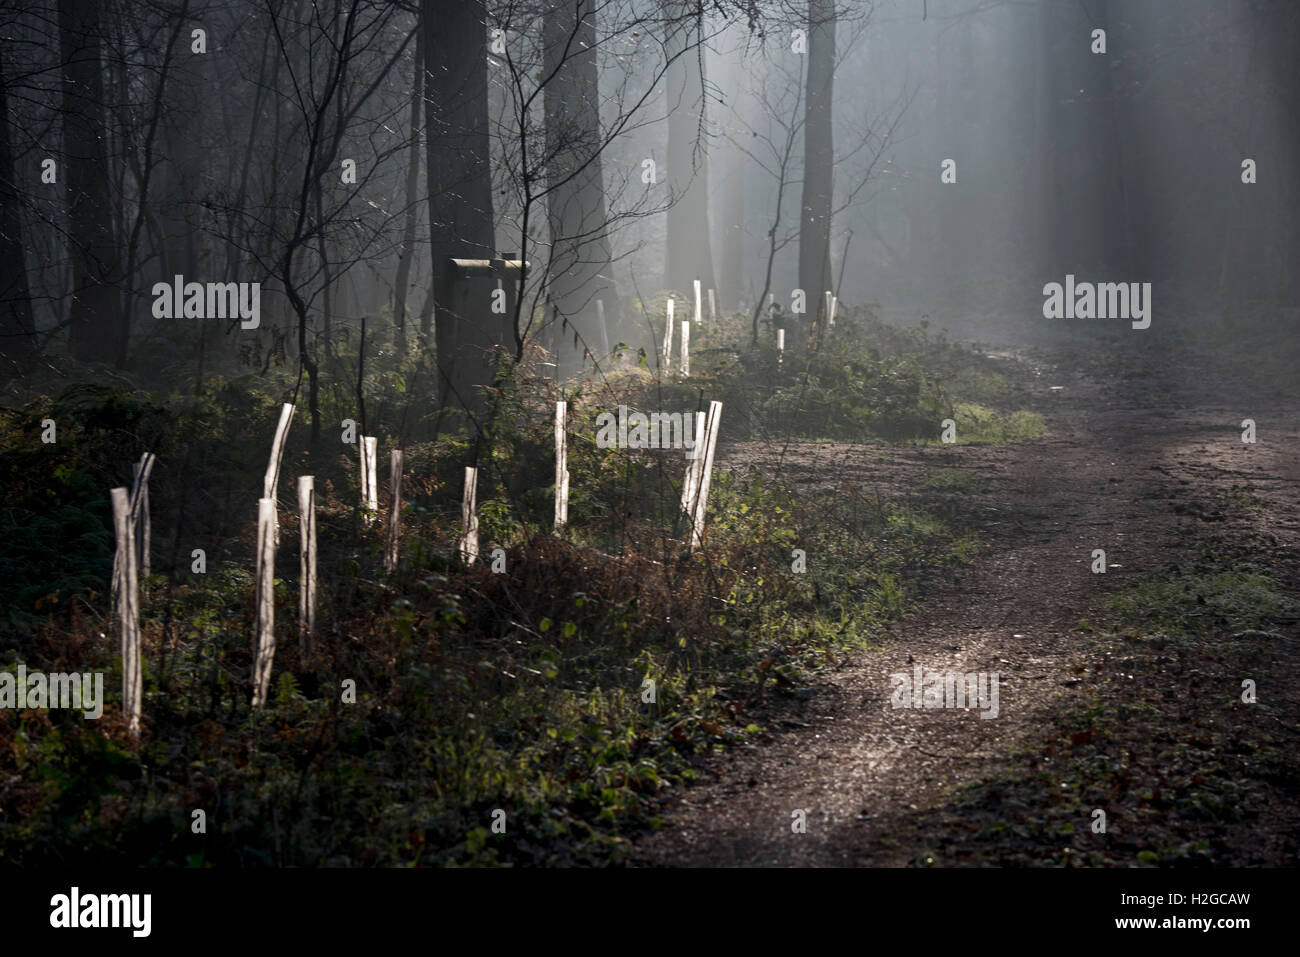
[[938, 160], [600, 432], [1120, 166]]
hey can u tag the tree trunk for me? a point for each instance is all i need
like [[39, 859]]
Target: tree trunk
[[189, 111], [689, 255], [97, 330], [401, 281], [819, 160], [17, 327], [460, 191], [580, 254], [731, 231]]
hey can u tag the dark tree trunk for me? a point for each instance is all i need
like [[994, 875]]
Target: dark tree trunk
[[819, 159], [185, 137], [689, 256], [1073, 121], [460, 192], [17, 327], [97, 330], [1124, 256], [401, 282], [580, 254]]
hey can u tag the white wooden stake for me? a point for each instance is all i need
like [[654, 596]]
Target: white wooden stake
[[668, 336], [307, 560], [140, 511], [272, 479], [830, 298], [697, 302], [127, 607], [696, 458], [394, 509], [264, 647], [706, 474], [604, 333], [372, 463], [686, 348], [713, 307], [469, 517], [369, 479], [835, 302], [139, 497], [270, 484], [365, 475], [695, 470], [561, 466], [780, 345]]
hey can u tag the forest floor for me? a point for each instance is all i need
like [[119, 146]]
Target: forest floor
[[1118, 691]]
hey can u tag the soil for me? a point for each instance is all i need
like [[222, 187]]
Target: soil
[[1142, 450]]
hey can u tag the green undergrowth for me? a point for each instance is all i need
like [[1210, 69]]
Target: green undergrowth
[[441, 694], [984, 425], [868, 381], [538, 707], [954, 480]]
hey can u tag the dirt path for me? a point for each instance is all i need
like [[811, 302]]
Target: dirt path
[[1135, 449]]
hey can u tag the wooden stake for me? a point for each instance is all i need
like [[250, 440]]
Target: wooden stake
[[264, 641], [307, 561], [372, 463], [835, 302], [668, 336], [369, 479], [561, 466], [469, 517], [713, 307], [697, 302], [127, 608], [140, 511], [365, 476], [686, 348], [395, 509], [271, 482], [706, 474], [139, 498], [696, 457], [780, 346]]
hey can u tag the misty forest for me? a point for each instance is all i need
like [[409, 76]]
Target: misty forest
[[649, 433]]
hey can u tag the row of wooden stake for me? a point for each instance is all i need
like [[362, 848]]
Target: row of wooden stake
[[695, 491], [832, 303], [686, 339], [131, 561], [132, 529], [686, 329]]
